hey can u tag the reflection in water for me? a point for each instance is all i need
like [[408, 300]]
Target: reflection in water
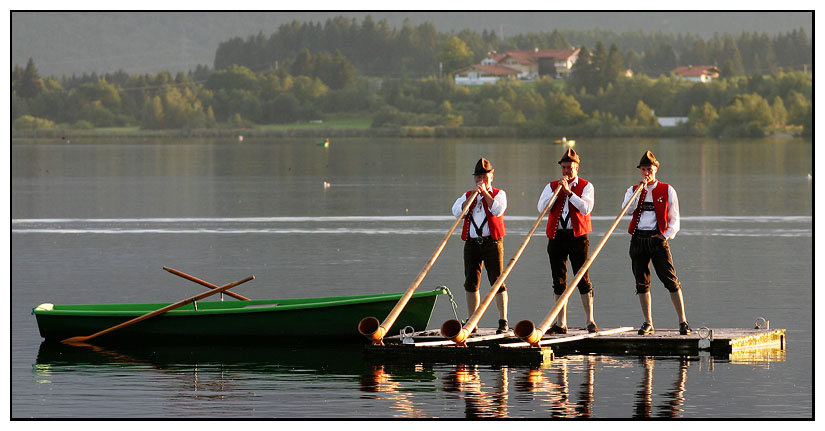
[[208, 381], [674, 398], [644, 395], [377, 380], [554, 393], [586, 397], [480, 403], [191, 380]]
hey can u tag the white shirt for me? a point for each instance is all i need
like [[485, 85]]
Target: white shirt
[[583, 203], [496, 209], [647, 220]]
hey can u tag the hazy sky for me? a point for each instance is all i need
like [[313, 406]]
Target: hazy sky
[[65, 43]]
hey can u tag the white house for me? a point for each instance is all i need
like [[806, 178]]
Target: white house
[[697, 73], [528, 65], [480, 74]]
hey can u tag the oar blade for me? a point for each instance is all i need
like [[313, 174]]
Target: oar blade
[[76, 341]]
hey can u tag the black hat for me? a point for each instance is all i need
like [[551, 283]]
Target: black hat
[[570, 156], [648, 159], [483, 166]]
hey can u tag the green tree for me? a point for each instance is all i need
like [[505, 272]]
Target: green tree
[[153, 114], [284, 108], [308, 89], [644, 116], [453, 55], [696, 53], [335, 71], [512, 118], [564, 110], [585, 74], [733, 64], [808, 123], [532, 105], [797, 106], [30, 84], [701, 117], [476, 45], [556, 40], [27, 122], [103, 92], [599, 58], [182, 110], [492, 111], [633, 61], [303, 64], [748, 116], [778, 112], [660, 59], [452, 120], [232, 78], [613, 66], [98, 115]]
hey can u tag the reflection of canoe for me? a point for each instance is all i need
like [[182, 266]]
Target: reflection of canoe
[[331, 319], [181, 364]]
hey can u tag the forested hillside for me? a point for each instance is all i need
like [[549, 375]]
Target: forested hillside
[[73, 43], [399, 78], [376, 49]]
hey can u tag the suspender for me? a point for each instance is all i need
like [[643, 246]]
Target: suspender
[[565, 219], [479, 229]]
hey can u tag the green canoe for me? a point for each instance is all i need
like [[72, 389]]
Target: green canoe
[[326, 320]]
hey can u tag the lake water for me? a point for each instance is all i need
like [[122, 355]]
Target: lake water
[[94, 221]]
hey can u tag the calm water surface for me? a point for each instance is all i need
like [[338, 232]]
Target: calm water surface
[[93, 221]]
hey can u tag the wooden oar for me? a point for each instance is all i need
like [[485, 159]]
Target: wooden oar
[[369, 326], [452, 329], [203, 283], [158, 312], [525, 329]]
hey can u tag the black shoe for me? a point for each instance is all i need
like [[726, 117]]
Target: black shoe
[[684, 328], [646, 329], [502, 326], [591, 327], [556, 329]]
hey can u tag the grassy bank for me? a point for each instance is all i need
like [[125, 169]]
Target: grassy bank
[[360, 126], [341, 123]]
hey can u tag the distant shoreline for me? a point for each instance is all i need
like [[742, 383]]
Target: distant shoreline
[[324, 133]]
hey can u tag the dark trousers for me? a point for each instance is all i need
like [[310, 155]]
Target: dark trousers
[[645, 249], [561, 247], [490, 254]]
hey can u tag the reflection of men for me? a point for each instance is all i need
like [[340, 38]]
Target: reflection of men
[[567, 228], [655, 220], [483, 232]]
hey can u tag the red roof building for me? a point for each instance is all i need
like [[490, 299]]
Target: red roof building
[[528, 65], [697, 73]]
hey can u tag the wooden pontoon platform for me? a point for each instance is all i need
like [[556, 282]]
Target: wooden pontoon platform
[[486, 347]]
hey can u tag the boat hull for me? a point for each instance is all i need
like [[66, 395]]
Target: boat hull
[[332, 319]]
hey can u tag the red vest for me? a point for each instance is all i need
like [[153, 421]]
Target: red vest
[[660, 206], [496, 224], [581, 223]]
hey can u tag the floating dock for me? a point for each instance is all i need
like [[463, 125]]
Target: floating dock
[[487, 347]]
